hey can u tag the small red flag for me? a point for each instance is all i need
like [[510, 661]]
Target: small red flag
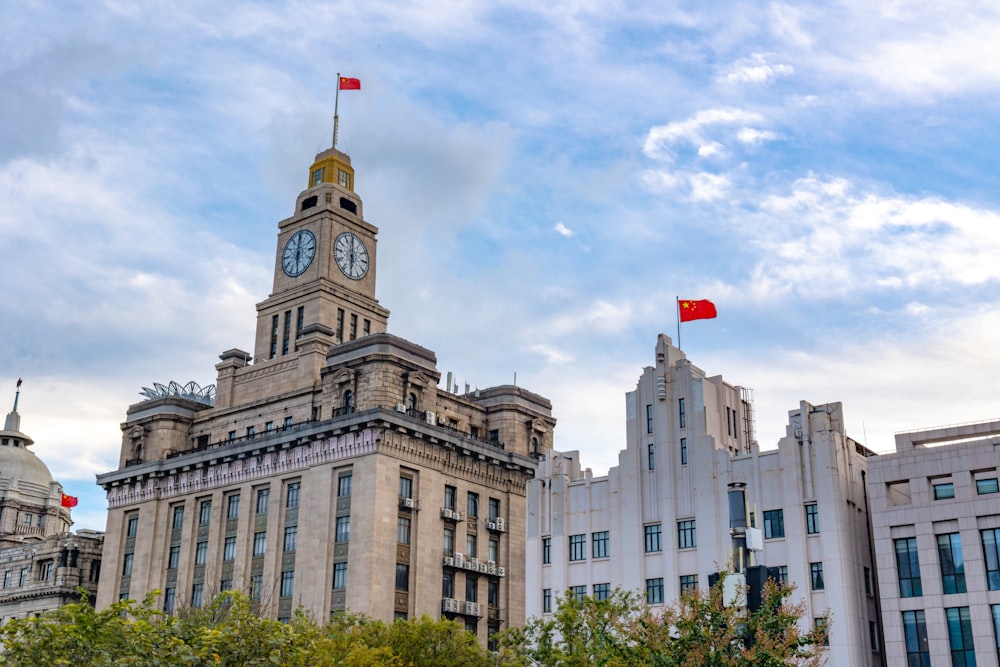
[[702, 309], [350, 84], [69, 501]]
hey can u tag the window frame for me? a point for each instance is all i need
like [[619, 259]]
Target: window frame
[[600, 544], [653, 538], [687, 536]]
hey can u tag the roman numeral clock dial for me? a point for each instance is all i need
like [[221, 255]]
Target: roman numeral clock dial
[[298, 253], [351, 256]]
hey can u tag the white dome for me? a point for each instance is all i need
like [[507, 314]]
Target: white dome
[[19, 468]]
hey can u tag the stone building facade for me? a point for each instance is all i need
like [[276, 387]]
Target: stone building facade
[[328, 470], [936, 515], [659, 522], [42, 564]]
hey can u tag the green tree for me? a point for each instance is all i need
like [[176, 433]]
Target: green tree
[[229, 632], [698, 630]]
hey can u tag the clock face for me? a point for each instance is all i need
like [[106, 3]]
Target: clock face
[[351, 256], [298, 253]]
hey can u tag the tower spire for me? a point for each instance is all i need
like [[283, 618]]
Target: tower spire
[[17, 394]]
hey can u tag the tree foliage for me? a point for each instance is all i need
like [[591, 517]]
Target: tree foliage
[[698, 630], [229, 633]]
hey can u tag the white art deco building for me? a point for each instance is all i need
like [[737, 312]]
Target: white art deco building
[[936, 516], [659, 521]]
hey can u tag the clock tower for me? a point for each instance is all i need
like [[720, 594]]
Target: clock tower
[[324, 269]]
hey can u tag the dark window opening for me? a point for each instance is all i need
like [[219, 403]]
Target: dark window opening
[[309, 202]]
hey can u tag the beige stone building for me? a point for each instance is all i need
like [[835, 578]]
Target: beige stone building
[[42, 564], [328, 470]]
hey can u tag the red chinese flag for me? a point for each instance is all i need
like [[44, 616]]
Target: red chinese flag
[[69, 501], [350, 84], [702, 309]]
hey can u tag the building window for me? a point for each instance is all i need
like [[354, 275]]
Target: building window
[[262, 498], [493, 593], [602, 591], [367, 327], [250, 432], [546, 550], [289, 421], [403, 530], [232, 436], [649, 419], [546, 600], [952, 564], [6, 579], [991, 554], [268, 427], [774, 524], [816, 576], [984, 486], [343, 486], [579, 592], [908, 567], [779, 573], [686, 534], [494, 509], [354, 326], [601, 541], [819, 623], [339, 576], [286, 331], [200, 553], [684, 451], [577, 547], [256, 586], [204, 512], [225, 585], [22, 577], [343, 530], [689, 582], [300, 314], [291, 538], [944, 491], [169, 599], [681, 414], [229, 549], [292, 495], [178, 521], [450, 494], [287, 583], [45, 567], [405, 487], [472, 505], [173, 557], [650, 456], [471, 545], [448, 584], [652, 537], [233, 506], [812, 519], [259, 543], [340, 325], [960, 636], [471, 588], [995, 610], [197, 593], [274, 336], [449, 541], [494, 549], [868, 582], [133, 526], [654, 591]]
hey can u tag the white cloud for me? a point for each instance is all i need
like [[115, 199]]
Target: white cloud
[[756, 70], [707, 187], [661, 138], [563, 230], [749, 135], [711, 149]]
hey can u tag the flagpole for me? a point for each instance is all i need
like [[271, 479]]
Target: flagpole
[[336, 106], [677, 304]]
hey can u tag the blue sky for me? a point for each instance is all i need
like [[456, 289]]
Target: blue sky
[[545, 179]]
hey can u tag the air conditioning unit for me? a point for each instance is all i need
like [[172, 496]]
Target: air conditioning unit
[[447, 513], [431, 417], [472, 564], [450, 604], [501, 571], [400, 407], [491, 568], [408, 503], [459, 560], [484, 567], [472, 609], [491, 525], [449, 561], [501, 525]]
